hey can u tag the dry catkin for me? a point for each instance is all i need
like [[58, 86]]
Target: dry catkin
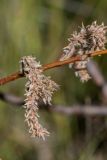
[[88, 39], [38, 88]]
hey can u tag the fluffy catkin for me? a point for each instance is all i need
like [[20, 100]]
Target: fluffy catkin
[[88, 39], [38, 88]]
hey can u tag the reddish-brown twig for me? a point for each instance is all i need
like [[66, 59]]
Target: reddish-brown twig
[[54, 64]]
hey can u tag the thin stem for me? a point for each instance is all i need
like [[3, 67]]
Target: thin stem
[[60, 63], [71, 60], [54, 64], [96, 53], [11, 77]]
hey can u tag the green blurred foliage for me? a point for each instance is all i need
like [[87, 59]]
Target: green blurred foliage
[[41, 28]]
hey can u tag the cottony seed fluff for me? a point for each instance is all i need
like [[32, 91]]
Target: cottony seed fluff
[[89, 39], [38, 88]]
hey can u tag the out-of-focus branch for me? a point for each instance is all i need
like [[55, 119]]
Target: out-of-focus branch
[[11, 99], [81, 110], [18, 75], [64, 110], [95, 73], [98, 77]]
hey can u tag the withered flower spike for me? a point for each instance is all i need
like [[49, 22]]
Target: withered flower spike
[[89, 39], [38, 88]]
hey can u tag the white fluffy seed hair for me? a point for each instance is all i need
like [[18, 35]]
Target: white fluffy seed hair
[[38, 88], [88, 39]]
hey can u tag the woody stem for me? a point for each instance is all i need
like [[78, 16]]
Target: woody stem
[[54, 64]]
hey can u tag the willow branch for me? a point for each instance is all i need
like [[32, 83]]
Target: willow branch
[[54, 64]]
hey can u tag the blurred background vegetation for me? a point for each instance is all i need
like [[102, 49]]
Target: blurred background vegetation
[[41, 28]]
